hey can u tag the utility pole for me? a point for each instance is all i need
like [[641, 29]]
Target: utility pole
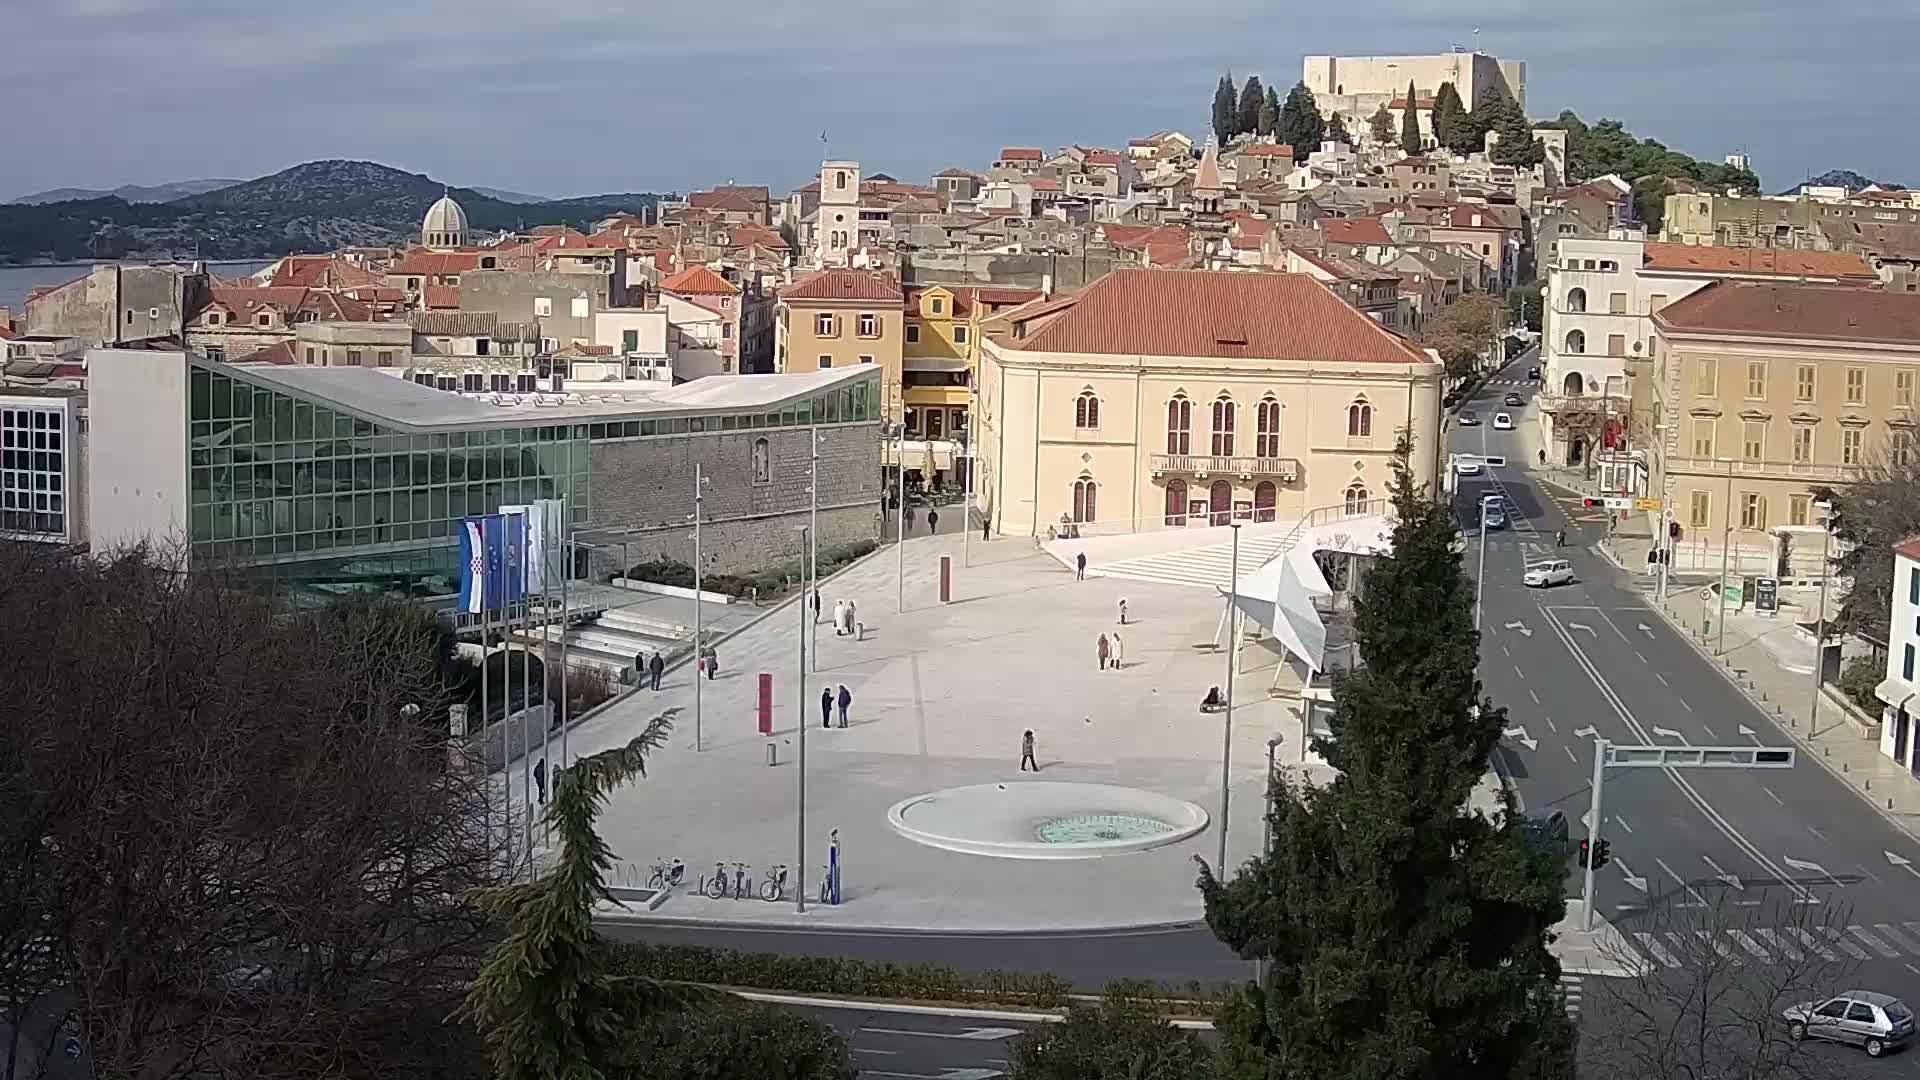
[[800, 715], [1233, 662], [699, 606], [813, 544], [1480, 576], [1825, 510], [1593, 834], [900, 526], [1726, 549]]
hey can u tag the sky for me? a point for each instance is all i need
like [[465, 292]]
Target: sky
[[572, 97]]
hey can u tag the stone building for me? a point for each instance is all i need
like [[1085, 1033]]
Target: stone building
[[118, 304]]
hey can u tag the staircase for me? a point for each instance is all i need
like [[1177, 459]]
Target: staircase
[[611, 640], [1199, 566]]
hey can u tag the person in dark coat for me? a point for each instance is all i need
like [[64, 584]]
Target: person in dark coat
[[656, 667], [826, 706], [846, 699], [816, 606], [639, 667], [986, 527], [909, 519], [933, 521], [540, 779], [1103, 650], [1026, 752], [1080, 567]]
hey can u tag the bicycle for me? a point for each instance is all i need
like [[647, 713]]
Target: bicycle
[[667, 875], [774, 889], [741, 888], [715, 887]]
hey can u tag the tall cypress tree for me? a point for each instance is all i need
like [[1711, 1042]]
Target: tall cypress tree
[[1449, 114], [1380, 126], [1517, 145], [1337, 130], [1226, 108], [1490, 110], [1406, 938], [1300, 124], [1251, 98], [1270, 113], [1410, 125]]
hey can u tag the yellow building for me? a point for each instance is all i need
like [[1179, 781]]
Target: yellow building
[[841, 318], [1186, 398], [1762, 392], [944, 326]]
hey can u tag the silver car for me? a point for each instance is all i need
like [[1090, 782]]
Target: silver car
[[1872, 1021]]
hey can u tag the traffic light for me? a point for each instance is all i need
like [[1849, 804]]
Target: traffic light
[[1583, 853], [1600, 857], [1594, 504]]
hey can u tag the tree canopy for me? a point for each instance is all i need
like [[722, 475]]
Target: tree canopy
[[1380, 126], [1608, 147], [1450, 125], [1869, 516], [1337, 130], [1410, 125], [1270, 112], [1406, 938], [1301, 125], [1252, 97], [1226, 109]]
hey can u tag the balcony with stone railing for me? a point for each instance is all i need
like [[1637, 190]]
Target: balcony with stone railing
[[1286, 470]]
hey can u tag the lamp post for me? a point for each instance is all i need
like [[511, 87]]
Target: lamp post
[[1480, 576], [900, 525], [1266, 845], [1726, 549], [800, 714], [1233, 662], [699, 636], [1825, 510], [813, 544]]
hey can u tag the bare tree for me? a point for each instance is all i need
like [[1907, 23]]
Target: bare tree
[[1706, 982], [1876, 511], [231, 829]]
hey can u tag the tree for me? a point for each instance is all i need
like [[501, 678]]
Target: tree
[[1525, 306], [1876, 511], [236, 845], [1270, 113], [1247, 120], [1123, 1038], [1337, 130], [1517, 145], [726, 1042], [1226, 114], [1380, 126], [1405, 936], [1410, 125], [1300, 124], [1464, 332], [1449, 118], [1694, 1003], [1493, 110], [1608, 147]]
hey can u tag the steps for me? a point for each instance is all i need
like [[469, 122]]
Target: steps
[[611, 640], [1200, 566]]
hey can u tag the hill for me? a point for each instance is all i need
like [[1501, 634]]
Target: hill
[[511, 196], [133, 193], [317, 206], [1845, 178]]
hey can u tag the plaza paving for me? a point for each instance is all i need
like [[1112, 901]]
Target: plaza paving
[[941, 696]]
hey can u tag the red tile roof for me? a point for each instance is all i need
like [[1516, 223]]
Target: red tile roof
[[1424, 101], [1021, 153], [280, 352], [1267, 150], [1104, 157], [430, 263], [1786, 262], [440, 297], [844, 285], [1821, 312], [735, 201], [1044, 183], [1366, 231], [698, 281], [1207, 313], [1910, 547]]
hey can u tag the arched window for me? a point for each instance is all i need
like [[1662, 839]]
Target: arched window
[[1266, 442], [1576, 342], [1219, 503], [1223, 427], [1576, 299], [1176, 502], [1086, 410], [1084, 490], [762, 463], [1356, 498], [1263, 500], [1359, 419], [1573, 385], [1179, 426]]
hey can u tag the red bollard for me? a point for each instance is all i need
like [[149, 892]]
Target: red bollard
[[766, 703], [946, 579]]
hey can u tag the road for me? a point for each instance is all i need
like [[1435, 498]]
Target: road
[[1592, 660], [903, 1046]]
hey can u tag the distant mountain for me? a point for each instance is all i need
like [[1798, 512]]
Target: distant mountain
[[133, 193], [318, 206], [511, 196], [1845, 178]]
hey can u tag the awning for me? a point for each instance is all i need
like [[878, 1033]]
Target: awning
[[1895, 692], [935, 363]]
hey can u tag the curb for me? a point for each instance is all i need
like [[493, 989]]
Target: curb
[[633, 918], [1016, 1016]]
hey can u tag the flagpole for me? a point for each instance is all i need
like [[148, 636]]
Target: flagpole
[[566, 572], [546, 670]]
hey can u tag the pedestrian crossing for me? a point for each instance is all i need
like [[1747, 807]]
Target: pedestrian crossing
[[1766, 945], [1571, 989], [1510, 380]]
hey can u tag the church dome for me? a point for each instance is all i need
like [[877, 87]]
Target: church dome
[[445, 225]]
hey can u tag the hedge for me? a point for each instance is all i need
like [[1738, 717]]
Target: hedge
[[767, 580], [838, 976]]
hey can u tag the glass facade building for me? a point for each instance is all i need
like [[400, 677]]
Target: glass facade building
[[33, 469]]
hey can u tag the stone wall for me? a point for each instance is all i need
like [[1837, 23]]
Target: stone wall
[[1065, 273], [646, 486]]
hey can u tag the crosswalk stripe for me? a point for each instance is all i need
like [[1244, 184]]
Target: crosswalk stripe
[[1651, 944], [1813, 944], [1913, 928], [1713, 941], [1848, 947], [1750, 945], [1780, 942], [1888, 931], [1873, 943]]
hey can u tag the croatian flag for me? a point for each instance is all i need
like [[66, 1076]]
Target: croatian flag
[[473, 565]]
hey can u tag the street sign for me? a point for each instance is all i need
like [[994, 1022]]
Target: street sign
[[1617, 502], [1766, 594], [1647, 504]]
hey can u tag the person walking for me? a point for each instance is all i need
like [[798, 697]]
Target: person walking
[[933, 521], [851, 617], [816, 606], [909, 519], [826, 706], [1560, 538], [540, 779], [986, 527], [846, 700], [656, 667], [1119, 651], [839, 618], [710, 660], [1123, 611], [640, 667], [1026, 753], [1080, 567], [1103, 650]]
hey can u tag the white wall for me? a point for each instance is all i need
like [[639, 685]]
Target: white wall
[[610, 326], [137, 447], [1902, 634]]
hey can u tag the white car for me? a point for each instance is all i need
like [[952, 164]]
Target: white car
[[1467, 466], [1541, 575], [1502, 422]]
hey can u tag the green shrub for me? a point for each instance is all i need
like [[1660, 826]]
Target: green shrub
[[767, 580], [835, 976], [1857, 680]]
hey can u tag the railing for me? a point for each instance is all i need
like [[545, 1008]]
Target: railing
[[1794, 470], [1287, 469]]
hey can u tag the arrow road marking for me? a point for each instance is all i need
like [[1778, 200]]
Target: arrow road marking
[[1584, 733], [984, 1034], [1522, 627], [1645, 629], [1811, 868], [1748, 733], [1904, 864], [1582, 626], [1666, 733], [1732, 880], [1519, 735], [1634, 882]]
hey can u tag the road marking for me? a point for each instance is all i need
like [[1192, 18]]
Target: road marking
[[1517, 671], [1893, 934], [1646, 631], [1814, 945], [1904, 864], [1651, 944], [982, 1034], [1698, 900], [943, 1074], [1913, 969], [1520, 736], [879, 1053], [1836, 937], [1639, 883], [1584, 733], [1747, 733], [1822, 837], [1712, 739], [1641, 655], [1771, 795], [1583, 626], [1666, 733], [1779, 942], [1506, 650], [1731, 880], [1813, 868], [1551, 726], [1570, 756], [1622, 822], [1522, 627], [1533, 695], [1662, 678], [1874, 943], [1740, 938], [1683, 702], [1713, 942]]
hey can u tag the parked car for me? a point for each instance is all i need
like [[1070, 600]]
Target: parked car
[[1516, 401], [1502, 422], [1872, 1021], [1552, 572], [1492, 515], [1468, 419], [1533, 373]]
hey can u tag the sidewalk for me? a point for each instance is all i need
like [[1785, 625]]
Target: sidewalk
[[1764, 659]]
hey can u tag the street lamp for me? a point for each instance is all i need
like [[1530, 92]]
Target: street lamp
[[800, 714], [1480, 576], [1824, 509], [1726, 549], [1233, 663], [1266, 844], [699, 635]]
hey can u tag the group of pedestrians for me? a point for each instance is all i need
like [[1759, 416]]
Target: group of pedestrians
[[827, 700]]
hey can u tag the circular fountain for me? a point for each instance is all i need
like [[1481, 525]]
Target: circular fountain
[[1040, 819]]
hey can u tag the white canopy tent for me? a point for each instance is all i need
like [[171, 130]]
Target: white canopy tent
[[1280, 595]]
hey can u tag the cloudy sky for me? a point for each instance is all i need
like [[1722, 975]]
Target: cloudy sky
[[565, 97]]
